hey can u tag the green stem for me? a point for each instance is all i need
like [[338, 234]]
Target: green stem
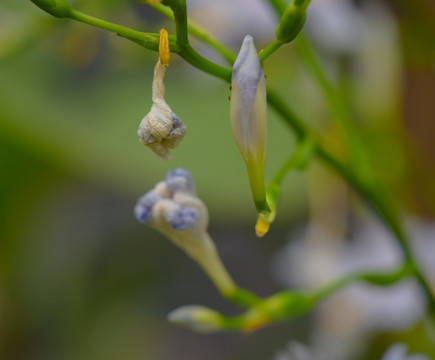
[[290, 304], [279, 6], [151, 42], [302, 3], [198, 31], [270, 49], [243, 297], [341, 112], [147, 40], [198, 61], [180, 18], [299, 158], [370, 277]]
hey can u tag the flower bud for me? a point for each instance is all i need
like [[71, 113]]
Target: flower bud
[[198, 318], [173, 209], [161, 129], [57, 8], [292, 21], [248, 117]]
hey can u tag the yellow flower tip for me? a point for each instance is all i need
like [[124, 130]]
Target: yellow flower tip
[[262, 226], [164, 53]]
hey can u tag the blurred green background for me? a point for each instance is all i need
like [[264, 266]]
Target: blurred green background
[[79, 278]]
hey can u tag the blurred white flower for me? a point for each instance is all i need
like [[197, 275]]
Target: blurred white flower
[[173, 209], [336, 25], [398, 352], [161, 129], [344, 318], [249, 117], [298, 351]]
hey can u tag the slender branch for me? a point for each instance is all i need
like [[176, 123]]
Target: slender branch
[[147, 40], [151, 42], [180, 18], [198, 31], [290, 304], [339, 109], [279, 6], [299, 159], [270, 49], [195, 59]]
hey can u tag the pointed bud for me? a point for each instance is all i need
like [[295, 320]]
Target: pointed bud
[[198, 318], [248, 117]]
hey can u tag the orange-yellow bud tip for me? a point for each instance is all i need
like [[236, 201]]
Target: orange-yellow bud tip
[[255, 325], [164, 53], [262, 226]]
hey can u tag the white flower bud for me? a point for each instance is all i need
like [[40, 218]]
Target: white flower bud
[[248, 117], [399, 351], [161, 129]]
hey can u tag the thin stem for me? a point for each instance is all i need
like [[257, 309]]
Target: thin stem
[[375, 278], [198, 31], [279, 6], [198, 61], [270, 49], [148, 40], [151, 42], [290, 304], [298, 159], [338, 108], [180, 19], [302, 3]]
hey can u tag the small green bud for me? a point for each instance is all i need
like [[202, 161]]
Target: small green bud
[[198, 318], [57, 8], [291, 22]]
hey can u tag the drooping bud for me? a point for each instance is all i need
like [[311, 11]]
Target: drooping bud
[[248, 117], [161, 129], [173, 209]]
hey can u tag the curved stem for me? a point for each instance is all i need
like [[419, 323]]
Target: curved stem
[[198, 32], [290, 304], [338, 108], [270, 49], [148, 40], [198, 61], [180, 19]]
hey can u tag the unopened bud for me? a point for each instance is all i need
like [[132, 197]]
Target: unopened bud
[[57, 8], [291, 22], [249, 117]]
